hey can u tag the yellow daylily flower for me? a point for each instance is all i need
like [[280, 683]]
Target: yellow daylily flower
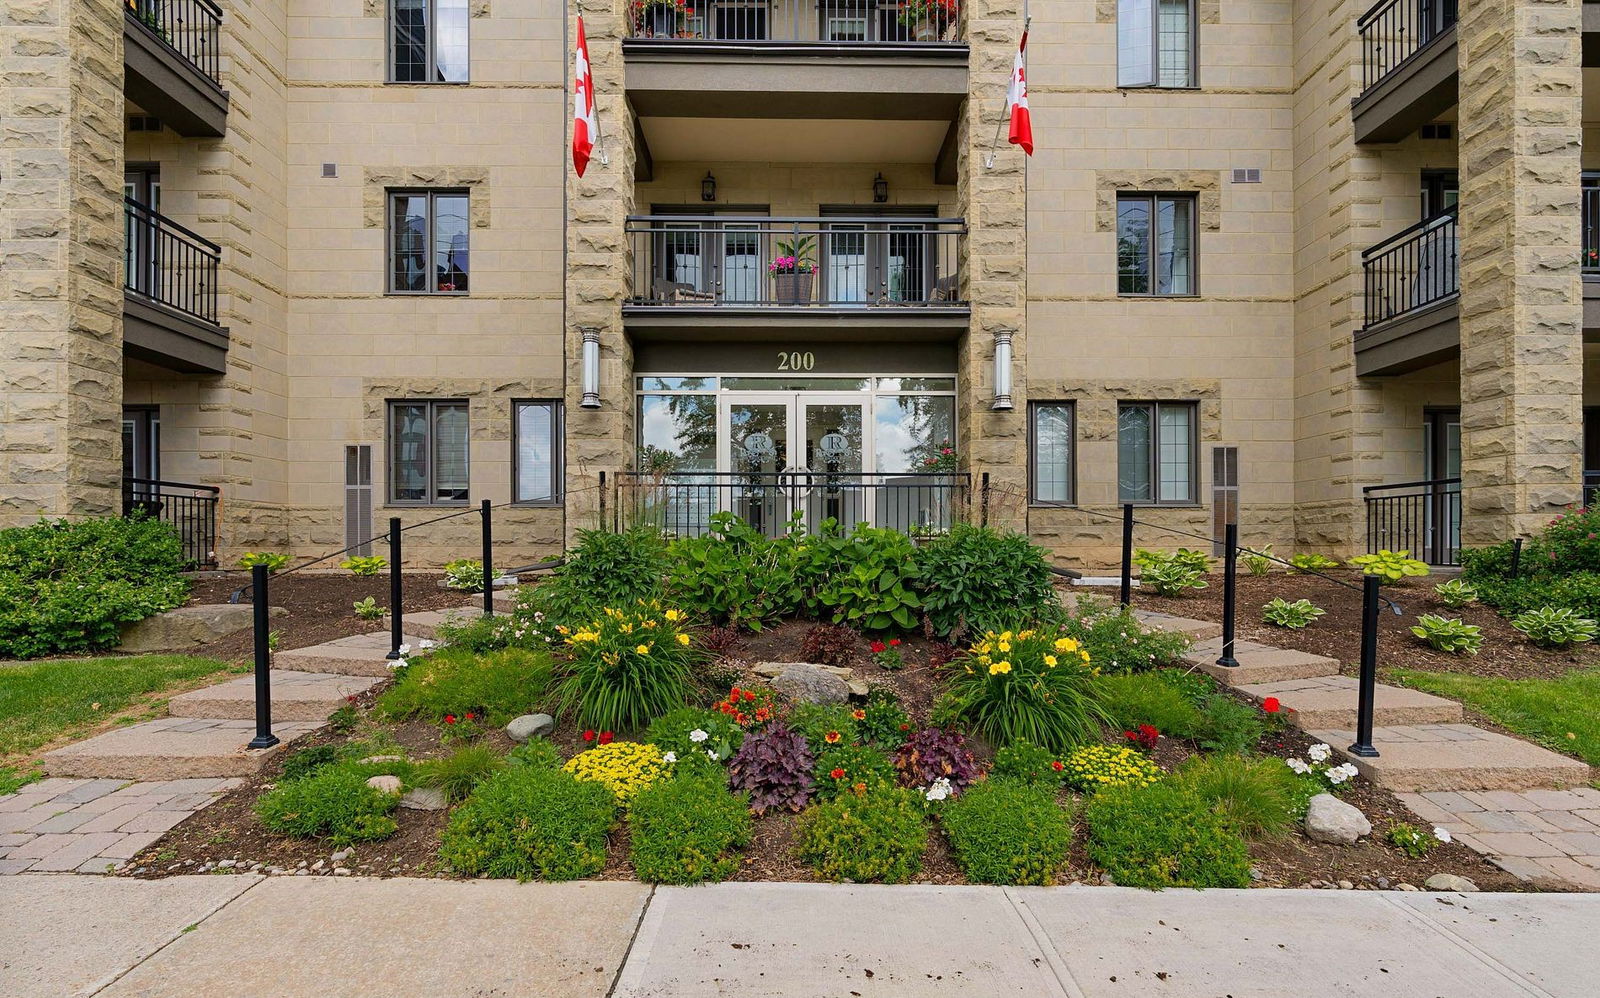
[[643, 649], [999, 667], [674, 615], [683, 639], [1050, 660]]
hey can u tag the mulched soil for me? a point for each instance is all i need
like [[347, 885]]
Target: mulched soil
[[1506, 653]]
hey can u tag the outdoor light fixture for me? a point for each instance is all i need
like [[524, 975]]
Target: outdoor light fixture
[[880, 189], [708, 188], [591, 368], [1002, 370]]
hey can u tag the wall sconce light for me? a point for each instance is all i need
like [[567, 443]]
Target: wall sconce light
[[1002, 370], [880, 189], [591, 368], [708, 188]]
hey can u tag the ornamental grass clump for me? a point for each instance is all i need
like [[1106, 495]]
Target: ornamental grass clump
[[458, 774], [1146, 698], [687, 831], [852, 768], [332, 801], [1164, 835], [873, 837], [531, 822], [498, 685], [774, 766], [626, 666], [624, 768], [1007, 832], [1096, 767], [1031, 684], [1259, 798], [936, 757]]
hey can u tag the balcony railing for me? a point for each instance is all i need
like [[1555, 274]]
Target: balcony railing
[[837, 22], [1423, 518], [745, 262], [1392, 31], [191, 509], [1590, 260], [1412, 269], [170, 265], [190, 28]]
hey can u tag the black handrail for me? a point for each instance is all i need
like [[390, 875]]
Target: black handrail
[[191, 28], [1423, 518], [169, 263], [191, 509], [1412, 269]]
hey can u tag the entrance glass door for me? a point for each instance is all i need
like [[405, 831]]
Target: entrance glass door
[[1442, 458], [783, 452], [755, 444], [833, 450]]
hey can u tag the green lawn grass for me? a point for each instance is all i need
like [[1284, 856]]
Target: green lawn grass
[[43, 701], [1562, 714]]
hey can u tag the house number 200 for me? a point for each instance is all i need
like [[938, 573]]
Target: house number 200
[[795, 360]]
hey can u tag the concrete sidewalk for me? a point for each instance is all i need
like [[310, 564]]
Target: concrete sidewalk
[[224, 936]]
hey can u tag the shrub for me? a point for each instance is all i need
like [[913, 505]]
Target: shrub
[[883, 722], [1391, 565], [368, 609], [1570, 543], [1117, 642], [1031, 684], [1094, 767], [1260, 798], [1310, 563], [847, 768], [1257, 562], [305, 761], [875, 586], [978, 579], [1448, 635], [1129, 701], [816, 722], [1493, 562], [1281, 613], [332, 801], [529, 821], [1226, 725], [272, 559], [69, 587], [1554, 627], [829, 644], [1172, 574], [1578, 591], [359, 565], [1006, 832], [624, 768], [605, 569], [465, 574], [685, 831], [774, 765], [1025, 762], [934, 754], [627, 666], [1411, 840], [1164, 836], [500, 685], [1456, 593], [459, 773], [865, 838], [733, 574]]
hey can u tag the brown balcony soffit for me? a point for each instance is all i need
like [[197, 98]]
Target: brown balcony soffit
[[169, 339], [1415, 93], [164, 84]]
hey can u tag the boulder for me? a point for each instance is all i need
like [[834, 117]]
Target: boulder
[[530, 726], [803, 683], [1449, 882], [772, 670], [1329, 819], [386, 784], [190, 626], [423, 799]]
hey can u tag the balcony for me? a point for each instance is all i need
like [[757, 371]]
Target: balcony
[[169, 301], [1408, 67], [757, 273], [1411, 284], [172, 63]]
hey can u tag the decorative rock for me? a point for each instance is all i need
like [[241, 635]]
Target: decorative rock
[[802, 683], [1256, 874], [859, 688], [530, 726], [371, 759], [773, 669], [1329, 819], [227, 864], [1407, 887], [341, 872], [1345, 885], [342, 855], [386, 784], [423, 799], [1449, 882], [189, 626]]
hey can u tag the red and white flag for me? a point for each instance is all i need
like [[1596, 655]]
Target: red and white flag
[[1017, 102], [585, 126]]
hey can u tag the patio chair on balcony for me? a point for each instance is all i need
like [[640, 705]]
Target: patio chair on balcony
[[670, 292]]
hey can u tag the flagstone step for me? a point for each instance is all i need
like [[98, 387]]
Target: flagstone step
[[505, 599], [1259, 663], [296, 696], [356, 655], [1422, 758], [1198, 630], [173, 748], [427, 623], [1330, 702]]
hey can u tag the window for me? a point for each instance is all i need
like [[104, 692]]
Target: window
[[1156, 453], [428, 41], [428, 453], [1155, 43], [1050, 472], [428, 242], [536, 436], [1158, 263]]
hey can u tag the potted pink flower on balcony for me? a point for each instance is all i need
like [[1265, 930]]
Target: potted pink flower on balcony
[[793, 269], [930, 19], [660, 18]]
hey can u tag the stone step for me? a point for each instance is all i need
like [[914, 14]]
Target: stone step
[[1198, 630], [1323, 702], [427, 623], [1259, 663], [505, 599], [1422, 758], [296, 696], [173, 748], [356, 655]]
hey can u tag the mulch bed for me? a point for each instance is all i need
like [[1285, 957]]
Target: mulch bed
[[1506, 653]]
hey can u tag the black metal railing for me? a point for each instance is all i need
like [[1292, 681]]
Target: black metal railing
[[1392, 31], [191, 28], [1589, 260], [1412, 269], [1421, 517], [695, 261], [837, 22], [191, 509], [1591, 489], [682, 504], [169, 264]]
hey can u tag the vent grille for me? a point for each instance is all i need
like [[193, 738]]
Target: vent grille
[[143, 123], [1224, 494], [358, 499], [1437, 130], [330, 169], [1247, 175]]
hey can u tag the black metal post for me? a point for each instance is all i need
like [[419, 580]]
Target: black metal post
[[1369, 668], [1516, 557], [1230, 573], [396, 624], [1127, 554], [602, 523], [488, 559], [264, 738], [984, 501]]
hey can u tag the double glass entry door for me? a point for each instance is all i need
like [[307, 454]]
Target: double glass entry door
[[783, 453]]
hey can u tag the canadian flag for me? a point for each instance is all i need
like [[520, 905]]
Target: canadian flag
[[585, 127], [1017, 102]]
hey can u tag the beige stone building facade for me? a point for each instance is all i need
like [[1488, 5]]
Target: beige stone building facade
[[1327, 271]]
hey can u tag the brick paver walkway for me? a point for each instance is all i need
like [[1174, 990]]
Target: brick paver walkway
[[1534, 834], [92, 826]]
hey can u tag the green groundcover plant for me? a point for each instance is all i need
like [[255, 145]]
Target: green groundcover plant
[[1146, 698], [331, 801], [499, 685], [531, 822], [687, 830], [1007, 832], [875, 837], [1164, 835]]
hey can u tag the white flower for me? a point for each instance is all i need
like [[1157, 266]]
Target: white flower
[[427, 644], [405, 650], [1443, 835], [1339, 774], [1319, 752], [670, 758], [697, 736], [712, 755], [1298, 765], [398, 663], [938, 790]]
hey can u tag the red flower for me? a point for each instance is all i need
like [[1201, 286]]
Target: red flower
[[832, 738], [762, 713], [748, 696], [470, 717], [905, 727], [735, 693], [351, 699], [449, 719], [588, 735], [1057, 766], [894, 642], [739, 718], [878, 647], [837, 774], [1271, 705], [859, 714], [606, 737]]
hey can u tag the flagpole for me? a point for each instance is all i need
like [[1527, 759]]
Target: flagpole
[[1005, 115]]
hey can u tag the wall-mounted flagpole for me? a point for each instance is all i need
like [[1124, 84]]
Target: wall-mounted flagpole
[[1005, 114]]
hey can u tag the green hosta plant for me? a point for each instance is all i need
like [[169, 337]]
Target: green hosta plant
[[1258, 562], [875, 589], [1171, 578], [1311, 562], [1197, 560], [368, 609], [1391, 565], [464, 574], [1555, 627], [1456, 593], [364, 566], [271, 559], [1449, 634], [1281, 613]]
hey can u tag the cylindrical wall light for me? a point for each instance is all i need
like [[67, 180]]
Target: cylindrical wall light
[[1002, 369], [591, 368]]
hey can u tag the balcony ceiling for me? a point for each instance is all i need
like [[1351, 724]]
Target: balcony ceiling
[[802, 140]]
